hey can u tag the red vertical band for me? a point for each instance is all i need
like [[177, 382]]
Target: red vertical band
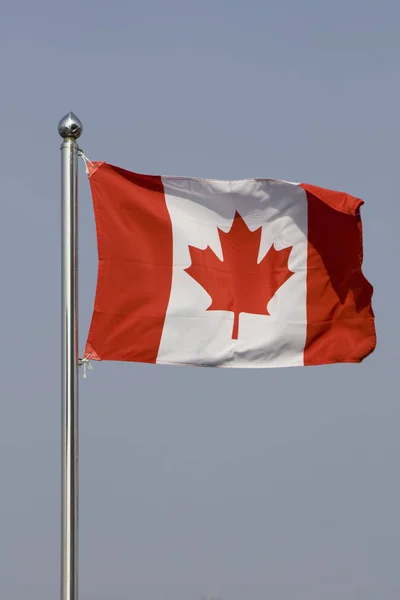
[[134, 236], [340, 319]]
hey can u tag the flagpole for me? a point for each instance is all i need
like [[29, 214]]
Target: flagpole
[[70, 129]]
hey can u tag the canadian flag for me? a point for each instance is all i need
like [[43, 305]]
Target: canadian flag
[[249, 273]]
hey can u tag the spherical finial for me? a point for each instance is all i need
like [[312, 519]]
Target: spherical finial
[[70, 126]]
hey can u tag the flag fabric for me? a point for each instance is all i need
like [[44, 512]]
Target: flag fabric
[[246, 273]]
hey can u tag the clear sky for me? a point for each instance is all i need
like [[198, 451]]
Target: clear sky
[[280, 484]]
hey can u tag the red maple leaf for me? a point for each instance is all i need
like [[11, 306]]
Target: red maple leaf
[[239, 283]]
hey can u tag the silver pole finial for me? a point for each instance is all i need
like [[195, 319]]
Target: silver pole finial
[[70, 126]]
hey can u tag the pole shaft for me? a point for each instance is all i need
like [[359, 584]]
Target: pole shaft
[[69, 336]]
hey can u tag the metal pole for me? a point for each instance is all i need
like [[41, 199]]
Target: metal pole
[[69, 128]]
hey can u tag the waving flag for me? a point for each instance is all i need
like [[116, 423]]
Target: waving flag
[[248, 273]]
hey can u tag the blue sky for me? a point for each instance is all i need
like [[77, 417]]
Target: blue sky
[[279, 484]]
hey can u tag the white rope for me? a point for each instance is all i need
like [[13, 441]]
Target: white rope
[[85, 160], [86, 364]]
